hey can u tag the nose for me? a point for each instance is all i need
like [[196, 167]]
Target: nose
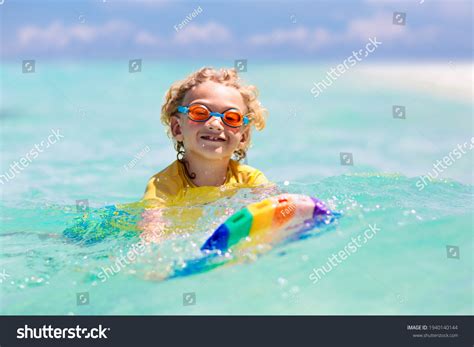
[[215, 123]]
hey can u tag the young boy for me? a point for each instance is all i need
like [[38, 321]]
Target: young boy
[[209, 116]]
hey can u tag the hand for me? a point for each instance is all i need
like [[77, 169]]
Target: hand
[[153, 225]]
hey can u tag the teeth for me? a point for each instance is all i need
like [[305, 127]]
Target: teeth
[[212, 138]]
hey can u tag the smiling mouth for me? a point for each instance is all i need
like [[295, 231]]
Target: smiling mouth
[[212, 138]]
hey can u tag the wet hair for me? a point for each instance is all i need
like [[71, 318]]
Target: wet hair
[[228, 77]]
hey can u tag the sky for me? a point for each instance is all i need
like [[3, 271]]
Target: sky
[[265, 30]]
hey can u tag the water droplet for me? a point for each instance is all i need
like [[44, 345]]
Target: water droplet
[[286, 183], [282, 281]]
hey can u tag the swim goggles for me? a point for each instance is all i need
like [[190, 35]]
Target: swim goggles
[[200, 113]]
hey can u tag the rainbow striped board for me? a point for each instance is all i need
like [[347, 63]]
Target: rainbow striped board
[[270, 221], [265, 222]]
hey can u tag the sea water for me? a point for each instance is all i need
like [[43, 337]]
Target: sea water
[[111, 142]]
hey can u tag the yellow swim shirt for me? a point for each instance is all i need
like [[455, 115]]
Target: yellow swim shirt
[[173, 203], [173, 187]]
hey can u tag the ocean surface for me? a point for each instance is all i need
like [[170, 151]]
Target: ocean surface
[[349, 147]]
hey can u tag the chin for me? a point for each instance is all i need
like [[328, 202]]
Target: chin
[[213, 153]]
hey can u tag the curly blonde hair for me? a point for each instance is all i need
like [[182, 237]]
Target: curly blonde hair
[[229, 77]]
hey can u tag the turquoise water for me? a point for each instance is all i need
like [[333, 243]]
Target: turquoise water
[[108, 117]]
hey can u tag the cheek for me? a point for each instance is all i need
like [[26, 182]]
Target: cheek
[[234, 135], [234, 131], [190, 127]]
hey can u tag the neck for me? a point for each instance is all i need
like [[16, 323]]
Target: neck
[[209, 172]]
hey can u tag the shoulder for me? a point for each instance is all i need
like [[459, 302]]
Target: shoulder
[[164, 183], [248, 174]]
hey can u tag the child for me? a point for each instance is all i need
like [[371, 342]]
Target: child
[[209, 116]]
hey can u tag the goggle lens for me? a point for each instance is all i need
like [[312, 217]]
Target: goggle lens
[[198, 113], [232, 118]]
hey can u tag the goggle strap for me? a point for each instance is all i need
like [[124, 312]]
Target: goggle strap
[[183, 109]]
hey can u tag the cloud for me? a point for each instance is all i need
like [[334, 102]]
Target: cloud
[[379, 25], [118, 34], [207, 33], [279, 36], [57, 35], [300, 36], [358, 30], [145, 38]]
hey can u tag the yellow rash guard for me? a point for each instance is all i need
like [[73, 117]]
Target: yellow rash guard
[[171, 194], [173, 187]]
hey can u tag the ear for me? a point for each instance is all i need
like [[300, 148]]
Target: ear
[[245, 137], [176, 128]]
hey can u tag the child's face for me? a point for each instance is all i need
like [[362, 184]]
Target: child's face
[[217, 98]]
